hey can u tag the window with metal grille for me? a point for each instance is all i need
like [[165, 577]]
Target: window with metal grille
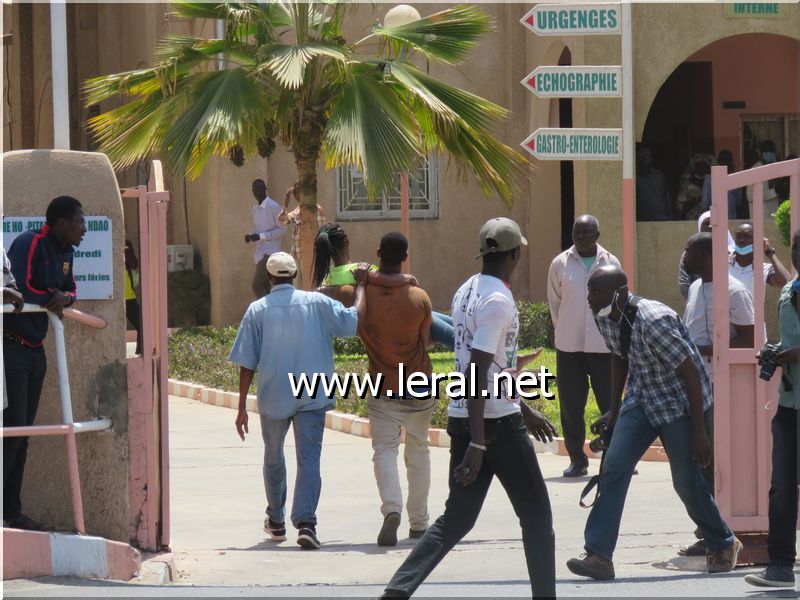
[[352, 202]]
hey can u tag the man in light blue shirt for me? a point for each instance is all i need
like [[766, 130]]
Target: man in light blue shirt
[[289, 331]]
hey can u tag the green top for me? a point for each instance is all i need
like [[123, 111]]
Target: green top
[[343, 275], [789, 326], [588, 261]]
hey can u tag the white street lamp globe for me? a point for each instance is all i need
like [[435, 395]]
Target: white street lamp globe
[[402, 14]]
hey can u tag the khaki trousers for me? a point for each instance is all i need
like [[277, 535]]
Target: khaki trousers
[[386, 418]]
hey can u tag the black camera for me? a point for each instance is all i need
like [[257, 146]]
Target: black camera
[[768, 361], [602, 441]]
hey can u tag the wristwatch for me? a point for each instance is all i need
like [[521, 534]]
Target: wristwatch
[[769, 252]]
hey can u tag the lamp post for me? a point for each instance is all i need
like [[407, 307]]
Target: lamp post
[[403, 14]]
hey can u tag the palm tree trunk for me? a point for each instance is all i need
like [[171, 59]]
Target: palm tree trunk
[[309, 226]]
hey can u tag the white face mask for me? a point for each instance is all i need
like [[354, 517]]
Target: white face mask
[[606, 310]]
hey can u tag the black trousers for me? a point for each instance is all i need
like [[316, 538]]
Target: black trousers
[[134, 314], [24, 373], [573, 372], [509, 456], [783, 489]]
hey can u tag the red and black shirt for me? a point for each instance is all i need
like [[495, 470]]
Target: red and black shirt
[[39, 262]]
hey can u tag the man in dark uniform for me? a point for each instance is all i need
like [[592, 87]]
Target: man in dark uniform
[[41, 262]]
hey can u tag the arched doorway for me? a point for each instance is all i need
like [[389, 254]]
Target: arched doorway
[[730, 95]]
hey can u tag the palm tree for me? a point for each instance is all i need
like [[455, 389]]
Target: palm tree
[[288, 73]]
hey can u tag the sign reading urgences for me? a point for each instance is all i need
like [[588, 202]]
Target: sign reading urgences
[[571, 19], [575, 82], [93, 265], [575, 144]]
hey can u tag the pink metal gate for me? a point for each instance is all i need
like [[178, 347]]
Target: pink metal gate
[[147, 375], [744, 404]]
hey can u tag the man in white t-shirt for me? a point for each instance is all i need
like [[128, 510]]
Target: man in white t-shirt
[[699, 306], [489, 432], [698, 318]]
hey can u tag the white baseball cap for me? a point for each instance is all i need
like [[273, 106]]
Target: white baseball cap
[[281, 264]]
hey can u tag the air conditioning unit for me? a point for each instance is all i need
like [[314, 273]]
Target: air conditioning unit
[[180, 258]]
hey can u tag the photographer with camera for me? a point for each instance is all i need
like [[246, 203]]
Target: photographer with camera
[[782, 536], [668, 394]]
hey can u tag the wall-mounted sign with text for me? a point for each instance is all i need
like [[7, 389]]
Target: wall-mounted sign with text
[[93, 264]]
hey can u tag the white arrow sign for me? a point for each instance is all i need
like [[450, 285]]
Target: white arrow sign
[[573, 19], [575, 144], [575, 82]]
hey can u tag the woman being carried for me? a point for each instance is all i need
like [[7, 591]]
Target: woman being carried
[[337, 282]]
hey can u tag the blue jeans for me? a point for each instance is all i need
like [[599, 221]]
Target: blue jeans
[[632, 435], [308, 427], [442, 330]]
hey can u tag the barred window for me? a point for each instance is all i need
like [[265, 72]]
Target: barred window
[[352, 202]]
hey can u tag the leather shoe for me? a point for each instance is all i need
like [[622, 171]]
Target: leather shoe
[[575, 470], [592, 565]]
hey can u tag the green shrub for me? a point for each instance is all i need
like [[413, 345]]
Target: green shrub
[[351, 345], [783, 221], [535, 325], [188, 298]]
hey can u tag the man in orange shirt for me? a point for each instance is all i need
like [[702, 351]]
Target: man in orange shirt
[[395, 330]]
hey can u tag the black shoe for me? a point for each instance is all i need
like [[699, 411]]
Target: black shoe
[[307, 537], [415, 534], [772, 576], [576, 470], [388, 533], [276, 531], [25, 522]]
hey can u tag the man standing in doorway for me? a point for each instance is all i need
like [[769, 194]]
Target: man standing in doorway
[[581, 353], [395, 330], [267, 233], [286, 333], [41, 262], [652, 196], [489, 432]]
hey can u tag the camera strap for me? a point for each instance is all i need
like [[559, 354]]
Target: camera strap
[[625, 332]]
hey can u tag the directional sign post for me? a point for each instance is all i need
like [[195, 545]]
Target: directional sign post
[[575, 144], [575, 82], [573, 19]]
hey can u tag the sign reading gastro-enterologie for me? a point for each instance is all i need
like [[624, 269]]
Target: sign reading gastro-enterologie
[[93, 265], [575, 82], [573, 19], [575, 144]]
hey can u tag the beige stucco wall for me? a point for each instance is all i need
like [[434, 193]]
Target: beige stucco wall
[[96, 357], [124, 37]]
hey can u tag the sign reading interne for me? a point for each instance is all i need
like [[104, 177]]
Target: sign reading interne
[[573, 19], [575, 82], [93, 265], [575, 144], [756, 10]]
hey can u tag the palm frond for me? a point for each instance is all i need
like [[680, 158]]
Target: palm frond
[[227, 108], [447, 101], [369, 128], [446, 36], [288, 63]]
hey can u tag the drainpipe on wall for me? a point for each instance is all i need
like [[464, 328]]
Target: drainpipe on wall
[[628, 197], [60, 74]]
